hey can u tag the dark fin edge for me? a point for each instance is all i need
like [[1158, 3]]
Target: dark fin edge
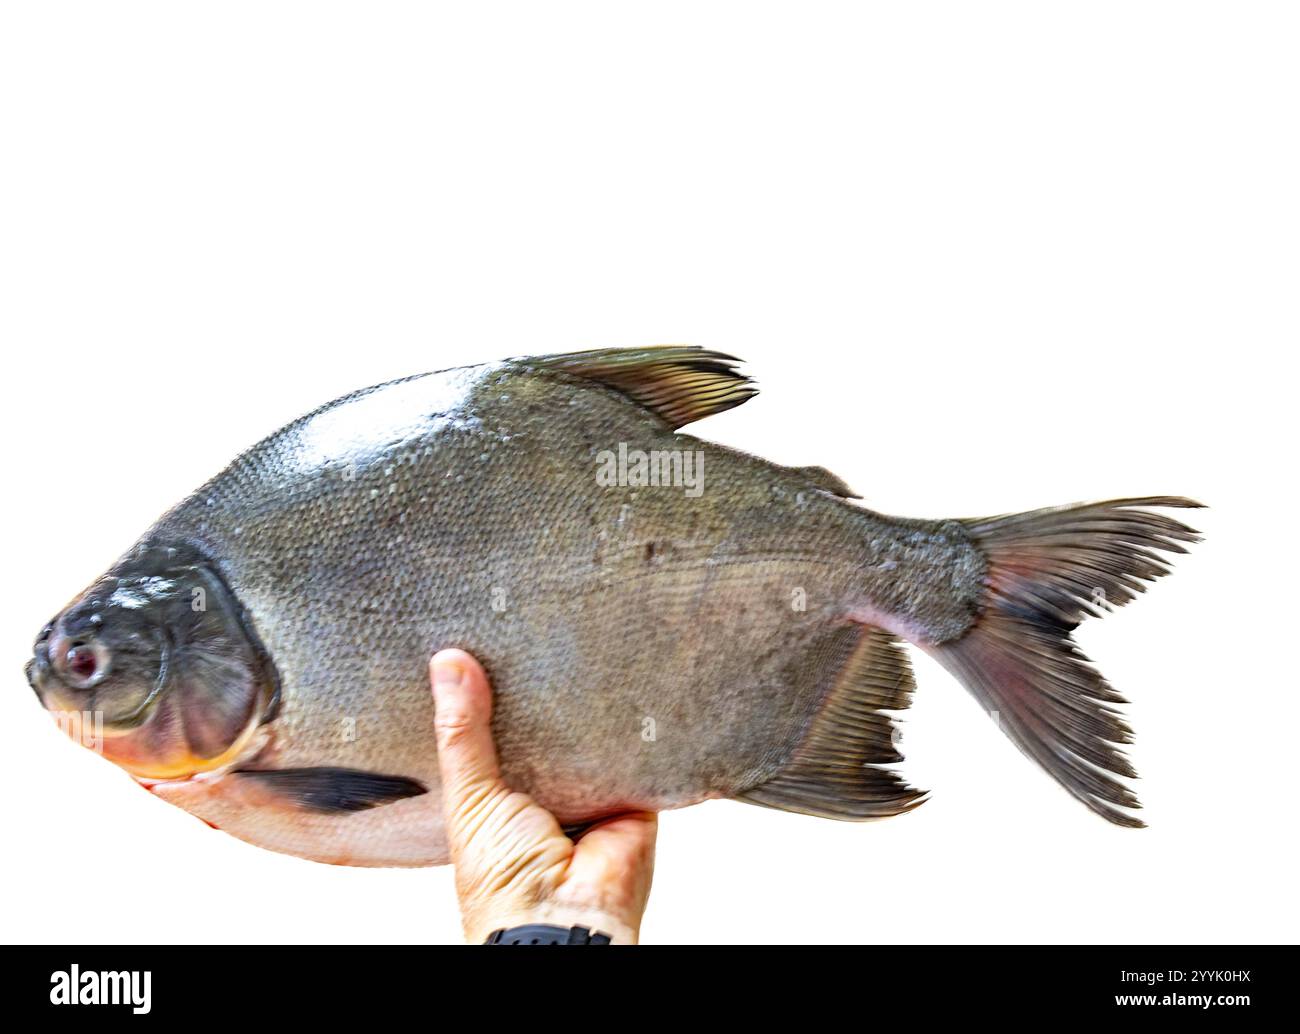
[[333, 791], [1047, 570], [835, 770], [679, 383]]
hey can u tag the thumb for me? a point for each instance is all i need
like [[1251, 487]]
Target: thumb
[[467, 757]]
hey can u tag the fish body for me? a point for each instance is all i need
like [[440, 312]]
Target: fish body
[[664, 620]]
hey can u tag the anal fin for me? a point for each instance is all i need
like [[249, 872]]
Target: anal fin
[[836, 770]]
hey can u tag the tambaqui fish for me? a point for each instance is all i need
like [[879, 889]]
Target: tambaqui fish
[[664, 620]]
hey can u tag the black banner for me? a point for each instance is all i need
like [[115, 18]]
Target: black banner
[[659, 985]]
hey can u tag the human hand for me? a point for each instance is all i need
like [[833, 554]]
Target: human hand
[[514, 865]]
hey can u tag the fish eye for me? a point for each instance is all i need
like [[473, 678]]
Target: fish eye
[[85, 664]]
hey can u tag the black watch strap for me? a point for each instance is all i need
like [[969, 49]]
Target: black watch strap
[[540, 933]]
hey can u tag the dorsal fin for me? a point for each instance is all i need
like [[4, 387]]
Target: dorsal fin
[[835, 770], [680, 383]]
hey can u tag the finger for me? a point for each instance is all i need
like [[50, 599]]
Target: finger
[[614, 861], [467, 757], [631, 835]]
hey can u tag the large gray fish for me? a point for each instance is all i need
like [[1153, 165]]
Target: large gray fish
[[664, 620]]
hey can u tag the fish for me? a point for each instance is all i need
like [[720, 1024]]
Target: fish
[[664, 620]]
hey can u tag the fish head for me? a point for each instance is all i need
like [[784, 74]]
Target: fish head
[[154, 667]]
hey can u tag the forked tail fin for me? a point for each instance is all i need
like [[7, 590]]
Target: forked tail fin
[[1047, 570]]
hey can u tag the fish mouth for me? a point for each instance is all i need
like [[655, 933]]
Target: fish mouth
[[56, 696], [37, 669], [51, 692]]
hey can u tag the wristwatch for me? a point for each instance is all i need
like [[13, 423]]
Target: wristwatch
[[541, 933]]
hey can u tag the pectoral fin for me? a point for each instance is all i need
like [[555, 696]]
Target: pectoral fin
[[332, 790]]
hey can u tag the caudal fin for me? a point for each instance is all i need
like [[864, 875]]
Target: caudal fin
[[1047, 570]]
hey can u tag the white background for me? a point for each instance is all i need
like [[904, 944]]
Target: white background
[[981, 257]]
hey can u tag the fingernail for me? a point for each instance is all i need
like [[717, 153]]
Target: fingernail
[[447, 674]]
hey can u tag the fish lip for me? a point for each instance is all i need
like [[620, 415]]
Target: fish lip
[[38, 668]]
